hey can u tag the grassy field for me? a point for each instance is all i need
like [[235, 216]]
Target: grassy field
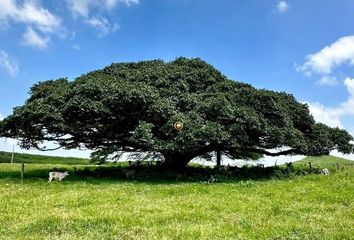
[[86, 207], [329, 162], [5, 157]]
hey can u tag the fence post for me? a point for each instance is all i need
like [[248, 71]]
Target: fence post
[[22, 171], [13, 154], [99, 170], [310, 164], [289, 167]]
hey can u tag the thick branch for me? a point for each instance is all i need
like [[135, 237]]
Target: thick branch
[[43, 149], [265, 152]]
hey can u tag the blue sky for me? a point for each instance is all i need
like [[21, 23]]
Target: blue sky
[[303, 47]]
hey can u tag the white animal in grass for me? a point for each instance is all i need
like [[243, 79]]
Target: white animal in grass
[[58, 175], [325, 171], [211, 180]]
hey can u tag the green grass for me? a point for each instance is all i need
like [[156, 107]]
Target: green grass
[[325, 161], [86, 207], [330, 162], [5, 157]]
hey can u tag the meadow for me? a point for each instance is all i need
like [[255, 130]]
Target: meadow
[[40, 159], [102, 204]]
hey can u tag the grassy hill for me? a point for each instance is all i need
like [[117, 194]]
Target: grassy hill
[[5, 157], [324, 162]]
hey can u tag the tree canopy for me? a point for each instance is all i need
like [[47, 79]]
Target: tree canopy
[[132, 107]]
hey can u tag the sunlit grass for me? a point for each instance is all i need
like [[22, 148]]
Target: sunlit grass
[[325, 161], [5, 157], [305, 207]]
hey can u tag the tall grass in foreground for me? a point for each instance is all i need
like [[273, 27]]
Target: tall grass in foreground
[[85, 207]]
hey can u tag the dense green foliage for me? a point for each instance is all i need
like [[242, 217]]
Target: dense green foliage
[[5, 157], [133, 106], [307, 207]]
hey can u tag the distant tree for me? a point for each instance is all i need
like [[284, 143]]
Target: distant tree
[[133, 107]]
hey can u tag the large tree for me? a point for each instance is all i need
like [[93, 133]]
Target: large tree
[[132, 107]]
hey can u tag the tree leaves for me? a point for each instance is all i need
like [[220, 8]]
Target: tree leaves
[[133, 106]]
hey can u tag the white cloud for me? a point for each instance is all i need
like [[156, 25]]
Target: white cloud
[[349, 83], [112, 3], [36, 18], [8, 10], [323, 62], [347, 108], [29, 13], [328, 80], [1, 117], [102, 25], [84, 8], [325, 115], [282, 6], [332, 115], [33, 39], [42, 18], [79, 7], [7, 63]]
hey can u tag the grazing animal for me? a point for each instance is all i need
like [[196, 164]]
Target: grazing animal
[[129, 173], [325, 171], [229, 170], [211, 180], [58, 175]]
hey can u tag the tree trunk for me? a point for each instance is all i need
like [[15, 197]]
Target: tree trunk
[[176, 161], [218, 157]]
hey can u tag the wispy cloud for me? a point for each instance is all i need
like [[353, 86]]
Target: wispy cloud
[[29, 13], [102, 25], [1, 117], [282, 6], [76, 47], [41, 24], [8, 64], [36, 18], [328, 81], [33, 39], [84, 9], [80, 8]]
